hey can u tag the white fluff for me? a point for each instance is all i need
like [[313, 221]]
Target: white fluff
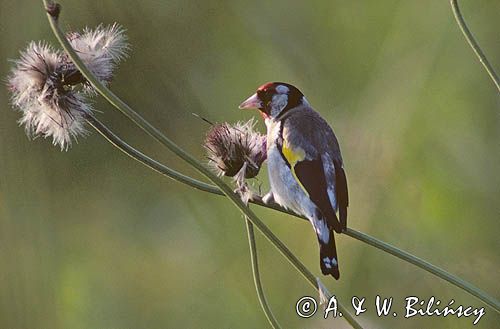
[[48, 108], [101, 49], [46, 86]]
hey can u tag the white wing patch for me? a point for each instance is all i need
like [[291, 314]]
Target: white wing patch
[[330, 179]]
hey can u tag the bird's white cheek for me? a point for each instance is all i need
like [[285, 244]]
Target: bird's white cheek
[[278, 104]]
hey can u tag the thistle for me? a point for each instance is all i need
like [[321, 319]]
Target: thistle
[[49, 105], [101, 50], [231, 148], [236, 151], [50, 92]]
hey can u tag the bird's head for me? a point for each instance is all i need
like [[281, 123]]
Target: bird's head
[[273, 99]]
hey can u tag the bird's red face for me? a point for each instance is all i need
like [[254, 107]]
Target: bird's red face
[[274, 99]]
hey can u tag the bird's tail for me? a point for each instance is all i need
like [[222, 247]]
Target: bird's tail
[[328, 259]]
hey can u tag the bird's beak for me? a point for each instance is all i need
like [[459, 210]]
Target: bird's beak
[[252, 102]]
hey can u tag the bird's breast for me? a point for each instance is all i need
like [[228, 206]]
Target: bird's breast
[[284, 186], [273, 132]]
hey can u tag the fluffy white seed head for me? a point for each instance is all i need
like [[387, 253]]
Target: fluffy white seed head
[[49, 107], [51, 93], [33, 74], [101, 49]]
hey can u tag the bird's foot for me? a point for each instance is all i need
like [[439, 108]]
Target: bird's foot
[[245, 193], [268, 198]]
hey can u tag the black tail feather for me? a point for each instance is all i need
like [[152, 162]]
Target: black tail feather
[[328, 257]]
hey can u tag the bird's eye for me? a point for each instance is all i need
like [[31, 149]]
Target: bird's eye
[[264, 95]]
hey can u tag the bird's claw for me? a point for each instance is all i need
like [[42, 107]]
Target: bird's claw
[[268, 198]]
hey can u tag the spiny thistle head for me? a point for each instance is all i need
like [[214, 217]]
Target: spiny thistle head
[[233, 147], [49, 91]]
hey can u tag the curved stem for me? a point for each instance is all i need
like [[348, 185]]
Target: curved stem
[[226, 190], [256, 277], [360, 236], [166, 171], [53, 11], [147, 161], [472, 42]]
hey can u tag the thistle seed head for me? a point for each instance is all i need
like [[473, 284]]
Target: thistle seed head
[[51, 93], [49, 107], [100, 49], [230, 147]]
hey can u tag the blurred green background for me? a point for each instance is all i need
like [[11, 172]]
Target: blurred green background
[[92, 239]]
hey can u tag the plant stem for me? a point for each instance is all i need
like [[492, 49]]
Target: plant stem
[[223, 189], [147, 161], [256, 277], [360, 236], [156, 134], [455, 280], [472, 42], [166, 171]]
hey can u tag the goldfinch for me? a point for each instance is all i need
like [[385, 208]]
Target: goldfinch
[[305, 166]]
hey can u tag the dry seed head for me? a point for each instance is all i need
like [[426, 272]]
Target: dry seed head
[[229, 147], [49, 90], [100, 49], [49, 107]]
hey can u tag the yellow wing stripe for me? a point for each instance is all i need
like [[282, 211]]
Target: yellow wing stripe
[[293, 156]]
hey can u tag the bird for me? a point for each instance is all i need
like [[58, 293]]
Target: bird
[[305, 166]]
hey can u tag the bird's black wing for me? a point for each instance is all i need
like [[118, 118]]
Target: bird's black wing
[[311, 176]]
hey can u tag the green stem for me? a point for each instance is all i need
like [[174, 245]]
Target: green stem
[[52, 14], [166, 171], [147, 161], [426, 266], [226, 190], [472, 42], [363, 237], [256, 277]]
